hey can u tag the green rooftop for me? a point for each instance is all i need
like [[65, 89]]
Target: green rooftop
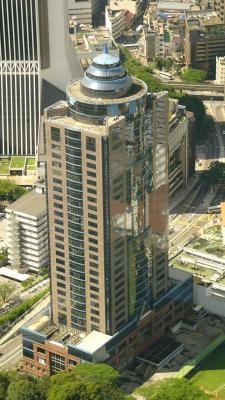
[[17, 162], [4, 166]]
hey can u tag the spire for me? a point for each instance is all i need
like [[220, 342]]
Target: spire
[[106, 49]]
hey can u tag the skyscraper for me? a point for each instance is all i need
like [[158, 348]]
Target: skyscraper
[[28, 55], [107, 180]]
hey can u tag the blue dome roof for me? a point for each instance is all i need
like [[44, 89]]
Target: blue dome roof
[[106, 77]]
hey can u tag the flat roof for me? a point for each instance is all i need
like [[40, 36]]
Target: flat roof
[[13, 274], [92, 342], [173, 5], [31, 203]]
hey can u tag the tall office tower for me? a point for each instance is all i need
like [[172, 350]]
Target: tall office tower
[[28, 55], [107, 180], [108, 205]]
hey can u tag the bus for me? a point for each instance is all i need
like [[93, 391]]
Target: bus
[[214, 209], [165, 75]]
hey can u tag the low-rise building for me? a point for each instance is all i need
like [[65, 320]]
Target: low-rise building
[[220, 70], [27, 231], [89, 42]]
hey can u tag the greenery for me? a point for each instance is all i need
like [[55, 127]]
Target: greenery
[[211, 373], [31, 164], [32, 281], [17, 162], [4, 166], [6, 290], [215, 173], [135, 68], [4, 255], [172, 389], [193, 75], [84, 382], [19, 310], [10, 191]]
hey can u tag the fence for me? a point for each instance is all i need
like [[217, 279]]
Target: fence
[[190, 365]]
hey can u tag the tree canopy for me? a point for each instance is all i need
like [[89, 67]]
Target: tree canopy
[[215, 173], [172, 389], [193, 75], [10, 191]]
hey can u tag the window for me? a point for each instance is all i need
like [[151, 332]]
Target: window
[[94, 319], [93, 257], [61, 293], [92, 199], [92, 174], [57, 197], [91, 248], [55, 134], [91, 165], [95, 312], [93, 224], [41, 360], [57, 156], [94, 241], [61, 285], [58, 213], [92, 191], [57, 205], [94, 273], [58, 261], [60, 254], [94, 288], [60, 238], [56, 164], [91, 157], [57, 189], [60, 230], [57, 221], [92, 208], [93, 265], [91, 232], [40, 350], [90, 143], [93, 280], [59, 181], [93, 216], [89, 182], [57, 363]]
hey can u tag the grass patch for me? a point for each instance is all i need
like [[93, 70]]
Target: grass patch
[[17, 162], [216, 230], [212, 372], [4, 166]]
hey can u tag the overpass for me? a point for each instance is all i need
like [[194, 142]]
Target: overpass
[[204, 87]]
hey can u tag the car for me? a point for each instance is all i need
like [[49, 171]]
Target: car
[[223, 132]]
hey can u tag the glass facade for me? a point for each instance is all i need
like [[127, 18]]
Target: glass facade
[[74, 185]]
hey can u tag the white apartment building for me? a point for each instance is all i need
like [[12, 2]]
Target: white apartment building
[[154, 41], [220, 70], [27, 231], [115, 22]]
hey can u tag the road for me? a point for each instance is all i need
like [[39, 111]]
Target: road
[[12, 350], [204, 87]]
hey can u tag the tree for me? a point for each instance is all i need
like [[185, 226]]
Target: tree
[[23, 389], [193, 75], [10, 191], [88, 382], [4, 383], [172, 389], [99, 373], [215, 173], [6, 290]]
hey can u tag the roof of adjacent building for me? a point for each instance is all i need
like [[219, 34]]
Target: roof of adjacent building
[[32, 204], [92, 342]]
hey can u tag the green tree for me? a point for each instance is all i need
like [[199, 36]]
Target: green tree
[[215, 173], [99, 373], [4, 383], [193, 75], [23, 389], [10, 191], [6, 291], [172, 389]]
